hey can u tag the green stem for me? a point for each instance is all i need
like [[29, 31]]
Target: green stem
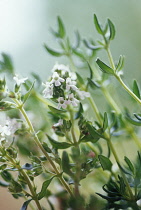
[[123, 175], [127, 89], [34, 195], [119, 78], [20, 107], [112, 149], [72, 128], [118, 111], [95, 109]]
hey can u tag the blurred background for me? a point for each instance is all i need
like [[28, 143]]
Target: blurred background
[[25, 27]]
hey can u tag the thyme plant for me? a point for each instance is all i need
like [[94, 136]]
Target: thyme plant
[[53, 132]]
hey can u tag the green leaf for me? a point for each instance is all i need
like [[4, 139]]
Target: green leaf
[[79, 54], [132, 121], [54, 110], [4, 184], [45, 146], [108, 198], [66, 163], [105, 162], [7, 63], [45, 185], [97, 25], [91, 71], [26, 96], [6, 105], [6, 176], [80, 112], [122, 185], [138, 116], [53, 52], [57, 144], [91, 46], [130, 165], [112, 29], [104, 68], [76, 45], [25, 204], [136, 89], [120, 64], [93, 132], [93, 84], [61, 28], [105, 121], [80, 79]]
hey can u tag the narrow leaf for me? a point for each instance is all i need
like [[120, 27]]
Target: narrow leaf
[[93, 84], [61, 28], [130, 165], [132, 121], [26, 96], [104, 68], [105, 162], [57, 144], [91, 46], [54, 110], [66, 163], [80, 111], [80, 79], [112, 29], [120, 63], [138, 116], [136, 89], [105, 122], [53, 52], [77, 43], [97, 25], [91, 71], [45, 185], [25, 205], [7, 63]]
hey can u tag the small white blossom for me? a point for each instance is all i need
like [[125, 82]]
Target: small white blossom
[[72, 75], [83, 94], [60, 67], [138, 202], [9, 128], [72, 100], [56, 79], [4, 131], [48, 91], [60, 122], [70, 84], [19, 81], [62, 103]]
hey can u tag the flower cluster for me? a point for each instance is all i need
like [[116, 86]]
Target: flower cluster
[[9, 128], [62, 87]]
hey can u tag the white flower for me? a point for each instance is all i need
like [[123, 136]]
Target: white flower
[[60, 67], [138, 202], [60, 122], [72, 100], [72, 75], [9, 128], [70, 84], [56, 79], [62, 103], [83, 94], [48, 91], [19, 81], [4, 131]]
